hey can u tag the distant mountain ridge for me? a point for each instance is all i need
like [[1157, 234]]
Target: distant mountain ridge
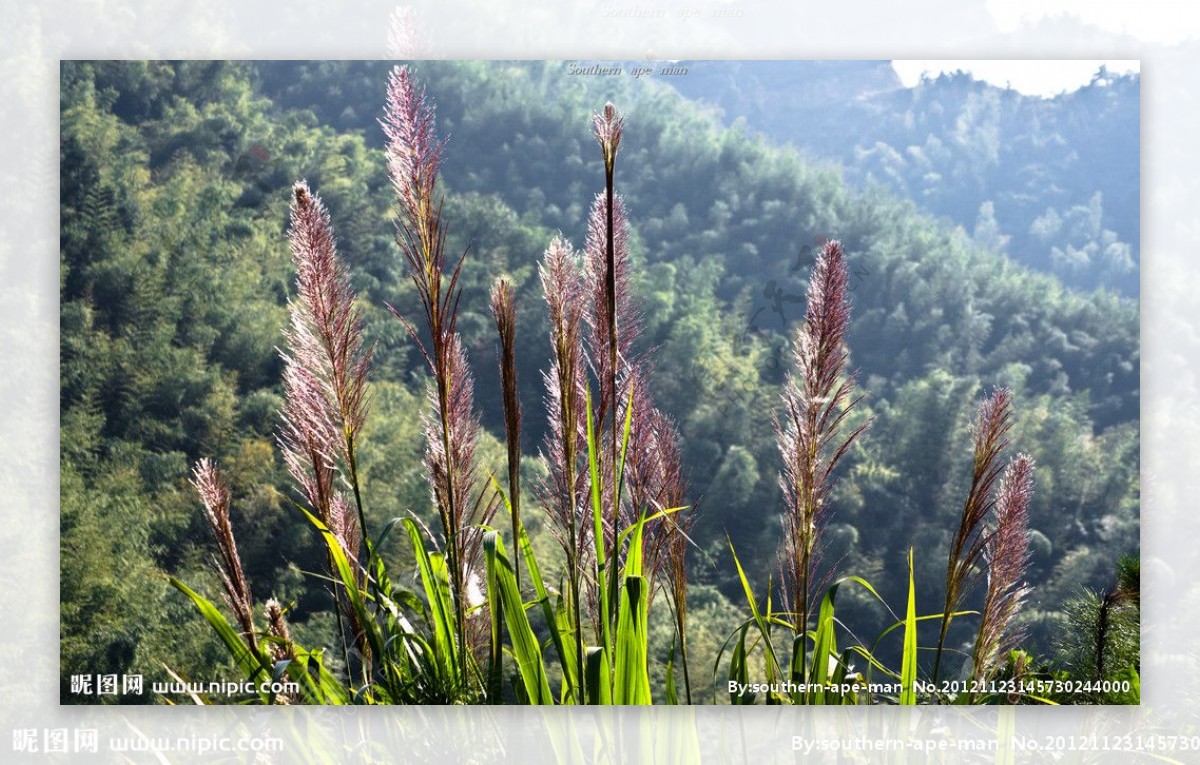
[[1052, 183]]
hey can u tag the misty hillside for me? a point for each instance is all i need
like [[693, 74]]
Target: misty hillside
[[1052, 183]]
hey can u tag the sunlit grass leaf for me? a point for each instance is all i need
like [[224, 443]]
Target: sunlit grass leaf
[[317, 683], [598, 677], [557, 617], [632, 676], [825, 650], [908, 663], [357, 598], [773, 669], [256, 668], [502, 590], [739, 673], [436, 582]]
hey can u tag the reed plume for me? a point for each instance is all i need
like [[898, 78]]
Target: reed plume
[[213, 490], [451, 428], [504, 312], [812, 433], [653, 475], [277, 627], [1006, 553], [650, 466], [565, 384], [990, 435], [612, 319], [325, 374], [607, 243], [612, 325], [657, 483], [407, 37], [325, 389], [562, 491], [414, 156]]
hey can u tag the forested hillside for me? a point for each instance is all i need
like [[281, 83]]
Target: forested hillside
[[1052, 183], [175, 278]]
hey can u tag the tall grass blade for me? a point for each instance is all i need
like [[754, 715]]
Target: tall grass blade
[[672, 694], [502, 590], [345, 571], [562, 634], [256, 668], [319, 685], [557, 617], [772, 666], [436, 582], [908, 663], [599, 677], [825, 652], [632, 676], [495, 677], [796, 669], [739, 673], [618, 488]]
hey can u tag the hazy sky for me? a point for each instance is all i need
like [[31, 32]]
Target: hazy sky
[[1161, 22], [1043, 78], [1147, 21]]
